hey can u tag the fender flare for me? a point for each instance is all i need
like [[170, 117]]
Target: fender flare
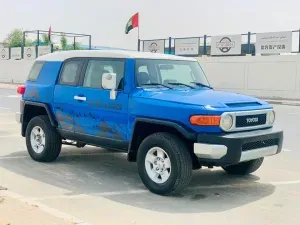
[[186, 132], [38, 104]]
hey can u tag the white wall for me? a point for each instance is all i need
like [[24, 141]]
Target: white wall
[[263, 76], [14, 71]]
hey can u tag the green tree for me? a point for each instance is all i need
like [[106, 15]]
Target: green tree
[[77, 46], [45, 39], [14, 38], [63, 42]]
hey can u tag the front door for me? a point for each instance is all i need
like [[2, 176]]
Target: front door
[[64, 102], [98, 119]]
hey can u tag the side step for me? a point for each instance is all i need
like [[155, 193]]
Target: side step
[[78, 144]]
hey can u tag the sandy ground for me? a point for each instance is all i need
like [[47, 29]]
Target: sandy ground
[[16, 212]]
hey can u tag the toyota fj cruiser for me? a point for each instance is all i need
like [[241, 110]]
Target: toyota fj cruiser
[[158, 108]]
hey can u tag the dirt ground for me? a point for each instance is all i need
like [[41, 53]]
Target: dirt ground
[[16, 212]]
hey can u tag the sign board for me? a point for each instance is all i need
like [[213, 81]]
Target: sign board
[[16, 53], [29, 52], [4, 53], [44, 50], [155, 46], [274, 42], [226, 45], [187, 46]]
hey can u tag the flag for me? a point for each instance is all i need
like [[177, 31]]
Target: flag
[[132, 23], [49, 33]]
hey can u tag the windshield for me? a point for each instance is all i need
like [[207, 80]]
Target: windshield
[[169, 72]]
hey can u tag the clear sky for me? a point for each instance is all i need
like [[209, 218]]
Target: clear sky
[[106, 20]]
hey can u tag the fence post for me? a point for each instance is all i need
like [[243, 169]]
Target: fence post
[[249, 42], [38, 38], [170, 45], [74, 44], [204, 45], [299, 41], [139, 44], [90, 42], [23, 45]]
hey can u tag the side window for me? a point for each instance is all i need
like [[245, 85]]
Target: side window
[[71, 72], [96, 68], [35, 71]]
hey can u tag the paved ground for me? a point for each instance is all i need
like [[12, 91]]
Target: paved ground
[[101, 187]]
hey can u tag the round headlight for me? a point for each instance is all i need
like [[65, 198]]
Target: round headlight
[[271, 117], [226, 122]]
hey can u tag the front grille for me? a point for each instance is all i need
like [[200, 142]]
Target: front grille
[[251, 120], [259, 144]]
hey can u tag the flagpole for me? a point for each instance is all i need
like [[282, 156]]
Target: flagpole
[[139, 41]]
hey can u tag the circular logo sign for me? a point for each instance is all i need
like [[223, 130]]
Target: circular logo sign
[[28, 52], [3, 53], [225, 44], [153, 47]]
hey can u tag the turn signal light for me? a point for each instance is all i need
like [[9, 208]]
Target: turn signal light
[[205, 120], [21, 89]]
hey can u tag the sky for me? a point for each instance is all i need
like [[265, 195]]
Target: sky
[[106, 20]]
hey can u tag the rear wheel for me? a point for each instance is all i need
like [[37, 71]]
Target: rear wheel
[[164, 163], [244, 168], [42, 140]]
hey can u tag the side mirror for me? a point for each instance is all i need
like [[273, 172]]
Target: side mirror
[[109, 81]]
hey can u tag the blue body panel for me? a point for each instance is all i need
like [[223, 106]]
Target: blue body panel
[[42, 89], [114, 119]]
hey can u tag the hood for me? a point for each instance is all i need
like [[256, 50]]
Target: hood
[[203, 97]]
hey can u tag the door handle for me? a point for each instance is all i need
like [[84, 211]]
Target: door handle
[[80, 98]]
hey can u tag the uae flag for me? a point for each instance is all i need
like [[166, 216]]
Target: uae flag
[[132, 23]]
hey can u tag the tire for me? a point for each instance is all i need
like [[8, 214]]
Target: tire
[[180, 161], [244, 168], [52, 140]]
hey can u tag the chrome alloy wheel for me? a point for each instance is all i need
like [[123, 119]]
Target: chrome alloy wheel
[[158, 165]]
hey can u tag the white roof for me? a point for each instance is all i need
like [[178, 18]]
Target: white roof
[[61, 56]]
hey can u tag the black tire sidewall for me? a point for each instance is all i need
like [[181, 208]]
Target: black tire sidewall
[[37, 121], [146, 145]]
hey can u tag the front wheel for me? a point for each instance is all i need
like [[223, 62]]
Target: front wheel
[[42, 140], [244, 168], [164, 163]]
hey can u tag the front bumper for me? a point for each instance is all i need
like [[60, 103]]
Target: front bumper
[[228, 149]]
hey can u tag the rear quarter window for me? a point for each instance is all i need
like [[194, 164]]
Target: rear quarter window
[[35, 71]]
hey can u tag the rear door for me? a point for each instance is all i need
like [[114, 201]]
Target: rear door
[[99, 119], [65, 101]]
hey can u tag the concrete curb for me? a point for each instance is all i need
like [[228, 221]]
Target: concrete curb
[[290, 103]]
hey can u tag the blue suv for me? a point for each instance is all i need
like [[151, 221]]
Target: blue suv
[[158, 108]]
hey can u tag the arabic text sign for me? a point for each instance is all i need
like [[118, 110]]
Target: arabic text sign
[[44, 50], [226, 45], [155, 46], [16, 53], [4, 53], [30, 52], [274, 42], [187, 46]]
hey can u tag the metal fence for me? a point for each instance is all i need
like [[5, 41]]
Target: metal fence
[[248, 44]]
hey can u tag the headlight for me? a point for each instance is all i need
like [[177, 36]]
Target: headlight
[[271, 117], [226, 122]]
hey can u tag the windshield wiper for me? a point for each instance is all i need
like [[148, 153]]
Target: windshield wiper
[[156, 84], [176, 83], [203, 85]]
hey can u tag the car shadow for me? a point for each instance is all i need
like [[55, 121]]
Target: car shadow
[[96, 172]]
